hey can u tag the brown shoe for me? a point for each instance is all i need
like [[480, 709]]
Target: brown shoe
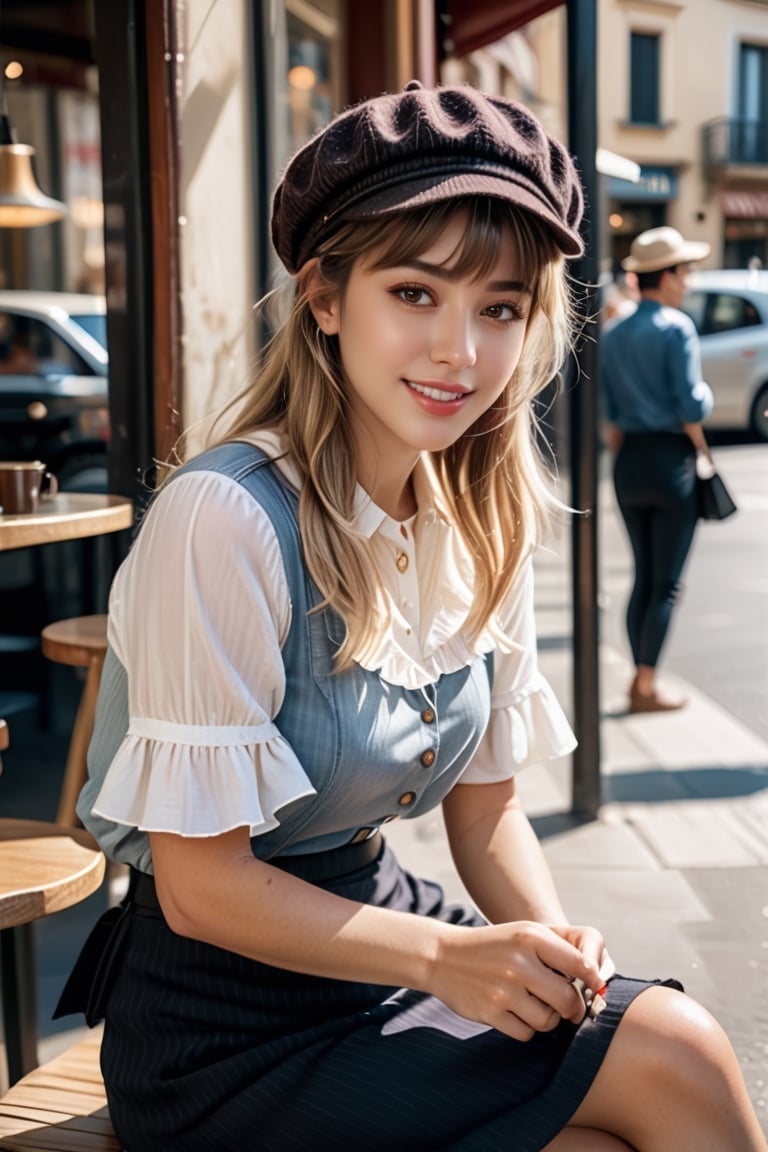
[[653, 702]]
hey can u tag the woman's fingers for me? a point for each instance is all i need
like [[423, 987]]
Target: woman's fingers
[[521, 977], [558, 995], [588, 941], [541, 1016], [539, 994], [521, 1025], [568, 969]]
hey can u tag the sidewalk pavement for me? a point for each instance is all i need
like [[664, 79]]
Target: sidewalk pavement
[[674, 871]]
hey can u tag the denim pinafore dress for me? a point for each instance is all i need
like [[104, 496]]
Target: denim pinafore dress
[[372, 750]]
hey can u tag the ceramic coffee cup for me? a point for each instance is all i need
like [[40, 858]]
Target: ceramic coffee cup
[[22, 484]]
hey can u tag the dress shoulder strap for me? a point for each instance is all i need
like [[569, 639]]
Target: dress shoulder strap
[[257, 473]]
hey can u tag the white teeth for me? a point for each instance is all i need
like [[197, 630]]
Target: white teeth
[[434, 393]]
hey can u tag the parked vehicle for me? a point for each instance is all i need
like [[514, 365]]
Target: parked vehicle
[[53, 385], [730, 311]]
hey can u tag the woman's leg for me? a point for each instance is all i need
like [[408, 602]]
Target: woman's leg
[[654, 477], [670, 1082], [630, 478], [638, 525], [671, 532], [587, 1140]]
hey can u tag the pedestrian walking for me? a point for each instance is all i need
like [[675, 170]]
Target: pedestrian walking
[[336, 630], [654, 403]]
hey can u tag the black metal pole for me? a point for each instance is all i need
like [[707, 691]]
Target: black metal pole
[[582, 135], [121, 58]]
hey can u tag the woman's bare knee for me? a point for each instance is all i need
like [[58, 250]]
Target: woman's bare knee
[[669, 1051]]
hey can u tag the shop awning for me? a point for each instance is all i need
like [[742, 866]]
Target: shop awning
[[617, 167], [745, 204], [475, 23]]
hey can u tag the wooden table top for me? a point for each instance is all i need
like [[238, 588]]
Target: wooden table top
[[44, 868], [66, 516]]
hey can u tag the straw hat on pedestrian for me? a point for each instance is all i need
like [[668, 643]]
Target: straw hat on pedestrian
[[663, 248]]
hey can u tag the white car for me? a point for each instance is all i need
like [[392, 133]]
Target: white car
[[53, 384], [730, 311]]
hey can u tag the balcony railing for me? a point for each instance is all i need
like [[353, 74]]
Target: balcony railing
[[728, 141]]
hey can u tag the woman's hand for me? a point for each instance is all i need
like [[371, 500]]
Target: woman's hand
[[518, 977]]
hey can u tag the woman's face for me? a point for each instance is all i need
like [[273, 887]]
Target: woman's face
[[426, 351]]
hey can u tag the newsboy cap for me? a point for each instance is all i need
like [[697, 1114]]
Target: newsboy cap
[[416, 147]]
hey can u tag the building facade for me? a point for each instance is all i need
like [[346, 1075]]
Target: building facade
[[683, 91]]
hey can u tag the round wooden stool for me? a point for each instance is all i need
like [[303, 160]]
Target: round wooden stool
[[81, 642]]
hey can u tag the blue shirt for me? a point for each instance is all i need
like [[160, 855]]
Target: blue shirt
[[650, 371]]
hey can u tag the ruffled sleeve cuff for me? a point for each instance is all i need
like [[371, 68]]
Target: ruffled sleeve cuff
[[201, 781], [526, 729]]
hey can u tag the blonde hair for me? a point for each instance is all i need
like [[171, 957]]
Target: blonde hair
[[492, 480]]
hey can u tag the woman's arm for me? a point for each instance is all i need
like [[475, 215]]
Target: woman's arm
[[214, 889], [614, 437], [498, 856], [502, 865], [695, 433], [514, 977]]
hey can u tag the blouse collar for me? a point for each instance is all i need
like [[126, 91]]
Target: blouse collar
[[368, 516], [407, 653]]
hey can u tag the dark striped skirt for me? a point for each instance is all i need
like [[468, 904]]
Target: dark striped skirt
[[205, 1051]]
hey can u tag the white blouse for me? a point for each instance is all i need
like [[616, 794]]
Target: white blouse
[[199, 612]]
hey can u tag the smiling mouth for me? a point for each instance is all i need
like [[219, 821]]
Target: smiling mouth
[[440, 394]]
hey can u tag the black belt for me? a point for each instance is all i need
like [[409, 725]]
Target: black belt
[[314, 867]]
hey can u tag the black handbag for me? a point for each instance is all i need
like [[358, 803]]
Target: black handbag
[[715, 501]]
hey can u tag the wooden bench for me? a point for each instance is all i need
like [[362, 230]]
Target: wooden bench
[[60, 1106]]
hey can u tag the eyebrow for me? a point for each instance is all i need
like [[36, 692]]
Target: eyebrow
[[443, 273]]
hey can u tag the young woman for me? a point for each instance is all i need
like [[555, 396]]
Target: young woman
[[336, 630]]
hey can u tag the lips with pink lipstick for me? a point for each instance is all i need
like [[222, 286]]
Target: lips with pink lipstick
[[437, 397]]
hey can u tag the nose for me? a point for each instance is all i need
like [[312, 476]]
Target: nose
[[453, 340]]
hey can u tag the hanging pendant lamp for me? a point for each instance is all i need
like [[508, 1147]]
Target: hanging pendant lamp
[[22, 203]]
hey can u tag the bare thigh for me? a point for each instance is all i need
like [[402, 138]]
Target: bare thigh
[[587, 1140], [668, 1050]]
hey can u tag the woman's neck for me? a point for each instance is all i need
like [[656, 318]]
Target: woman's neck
[[394, 494]]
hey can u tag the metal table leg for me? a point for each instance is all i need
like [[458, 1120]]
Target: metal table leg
[[18, 999]]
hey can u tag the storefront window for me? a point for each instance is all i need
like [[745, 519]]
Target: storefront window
[[312, 88], [745, 243], [626, 220], [309, 80]]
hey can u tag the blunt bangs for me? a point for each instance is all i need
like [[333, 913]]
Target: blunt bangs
[[489, 221], [392, 240]]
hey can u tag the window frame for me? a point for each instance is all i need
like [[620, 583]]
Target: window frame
[[638, 93]]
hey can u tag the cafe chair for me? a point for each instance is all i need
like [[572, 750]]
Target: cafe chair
[[44, 869], [61, 1106], [81, 642]]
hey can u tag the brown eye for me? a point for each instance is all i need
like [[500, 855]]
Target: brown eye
[[413, 294], [507, 312]]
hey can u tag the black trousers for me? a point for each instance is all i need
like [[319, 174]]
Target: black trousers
[[655, 482]]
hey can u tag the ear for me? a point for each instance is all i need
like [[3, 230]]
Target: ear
[[323, 300]]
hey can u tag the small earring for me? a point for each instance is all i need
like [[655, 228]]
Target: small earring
[[318, 334]]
